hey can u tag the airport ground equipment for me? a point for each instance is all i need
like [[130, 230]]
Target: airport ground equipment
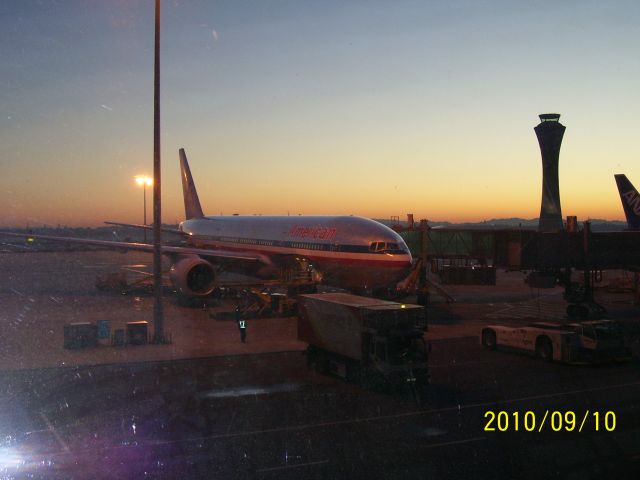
[[374, 342], [120, 281], [576, 343], [552, 256], [419, 281], [263, 303], [80, 335], [138, 333]]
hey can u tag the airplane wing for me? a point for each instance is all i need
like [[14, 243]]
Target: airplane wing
[[145, 247], [146, 227]]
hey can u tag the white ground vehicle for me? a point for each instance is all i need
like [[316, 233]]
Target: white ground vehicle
[[585, 342]]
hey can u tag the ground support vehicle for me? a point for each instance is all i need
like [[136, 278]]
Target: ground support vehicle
[[374, 342], [578, 343]]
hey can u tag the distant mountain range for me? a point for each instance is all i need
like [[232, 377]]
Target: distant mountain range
[[109, 232], [597, 224]]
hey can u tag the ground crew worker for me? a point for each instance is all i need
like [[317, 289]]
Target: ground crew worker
[[242, 325]]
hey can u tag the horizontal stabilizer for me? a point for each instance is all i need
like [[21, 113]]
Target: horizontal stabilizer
[[146, 227]]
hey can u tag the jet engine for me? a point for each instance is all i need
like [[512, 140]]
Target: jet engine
[[193, 277]]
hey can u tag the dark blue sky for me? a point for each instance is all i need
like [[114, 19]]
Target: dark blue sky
[[371, 108]]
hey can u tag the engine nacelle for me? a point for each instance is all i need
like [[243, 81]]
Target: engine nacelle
[[193, 277]]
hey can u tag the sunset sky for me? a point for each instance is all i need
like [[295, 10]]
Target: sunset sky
[[348, 107]]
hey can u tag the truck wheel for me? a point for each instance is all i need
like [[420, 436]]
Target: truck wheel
[[370, 379], [415, 393], [322, 363], [544, 349], [573, 311], [578, 311], [489, 339], [353, 372], [317, 360], [584, 312], [311, 357]]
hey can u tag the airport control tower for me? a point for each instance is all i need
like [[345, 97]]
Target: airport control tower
[[550, 132]]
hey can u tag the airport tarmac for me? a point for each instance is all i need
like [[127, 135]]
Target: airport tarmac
[[42, 292], [208, 406]]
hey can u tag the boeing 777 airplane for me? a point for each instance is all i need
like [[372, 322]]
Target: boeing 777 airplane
[[350, 252], [630, 201]]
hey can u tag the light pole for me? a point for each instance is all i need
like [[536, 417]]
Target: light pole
[[158, 334], [145, 181]]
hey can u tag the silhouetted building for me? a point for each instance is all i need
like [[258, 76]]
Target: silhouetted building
[[550, 132]]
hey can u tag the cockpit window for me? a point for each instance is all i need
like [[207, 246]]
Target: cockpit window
[[389, 247], [377, 246]]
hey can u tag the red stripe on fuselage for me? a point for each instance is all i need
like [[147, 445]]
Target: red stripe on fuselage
[[313, 255]]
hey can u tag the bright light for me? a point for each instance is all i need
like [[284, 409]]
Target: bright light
[[144, 180], [10, 459]]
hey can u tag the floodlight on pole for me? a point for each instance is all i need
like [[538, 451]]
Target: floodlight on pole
[[145, 181]]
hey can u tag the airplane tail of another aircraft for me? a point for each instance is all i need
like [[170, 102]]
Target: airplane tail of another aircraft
[[192, 208], [630, 201]]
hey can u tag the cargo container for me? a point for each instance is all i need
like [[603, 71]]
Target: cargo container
[[374, 342]]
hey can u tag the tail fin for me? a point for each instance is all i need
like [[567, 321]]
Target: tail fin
[[630, 201], [192, 208]]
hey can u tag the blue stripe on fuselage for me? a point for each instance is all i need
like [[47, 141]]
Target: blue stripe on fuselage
[[325, 247]]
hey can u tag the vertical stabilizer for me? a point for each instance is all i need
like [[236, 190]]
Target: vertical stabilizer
[[192, 208], [630, 201]]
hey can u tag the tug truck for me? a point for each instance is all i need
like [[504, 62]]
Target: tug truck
[[577, 343], [376, 343]]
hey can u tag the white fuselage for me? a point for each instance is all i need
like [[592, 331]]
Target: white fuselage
[[349, 252]]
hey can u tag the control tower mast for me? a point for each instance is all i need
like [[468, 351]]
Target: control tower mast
[[550, 132]]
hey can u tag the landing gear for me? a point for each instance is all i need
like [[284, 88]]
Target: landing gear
[[582, 305], [370, 379], [544, 349], [317, 360], [489, 339], [584, 311]]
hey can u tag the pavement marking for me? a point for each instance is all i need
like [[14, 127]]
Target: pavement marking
[[285, 467], [551, 395], [360, 420], [459, 337], [464, 364], [416, 413], [455, 442], [231, 421], [246, 391], [393, 416], [62, 443], [531, 308]]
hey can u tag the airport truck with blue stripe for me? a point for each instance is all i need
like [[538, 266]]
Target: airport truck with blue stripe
[[374, 342]]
